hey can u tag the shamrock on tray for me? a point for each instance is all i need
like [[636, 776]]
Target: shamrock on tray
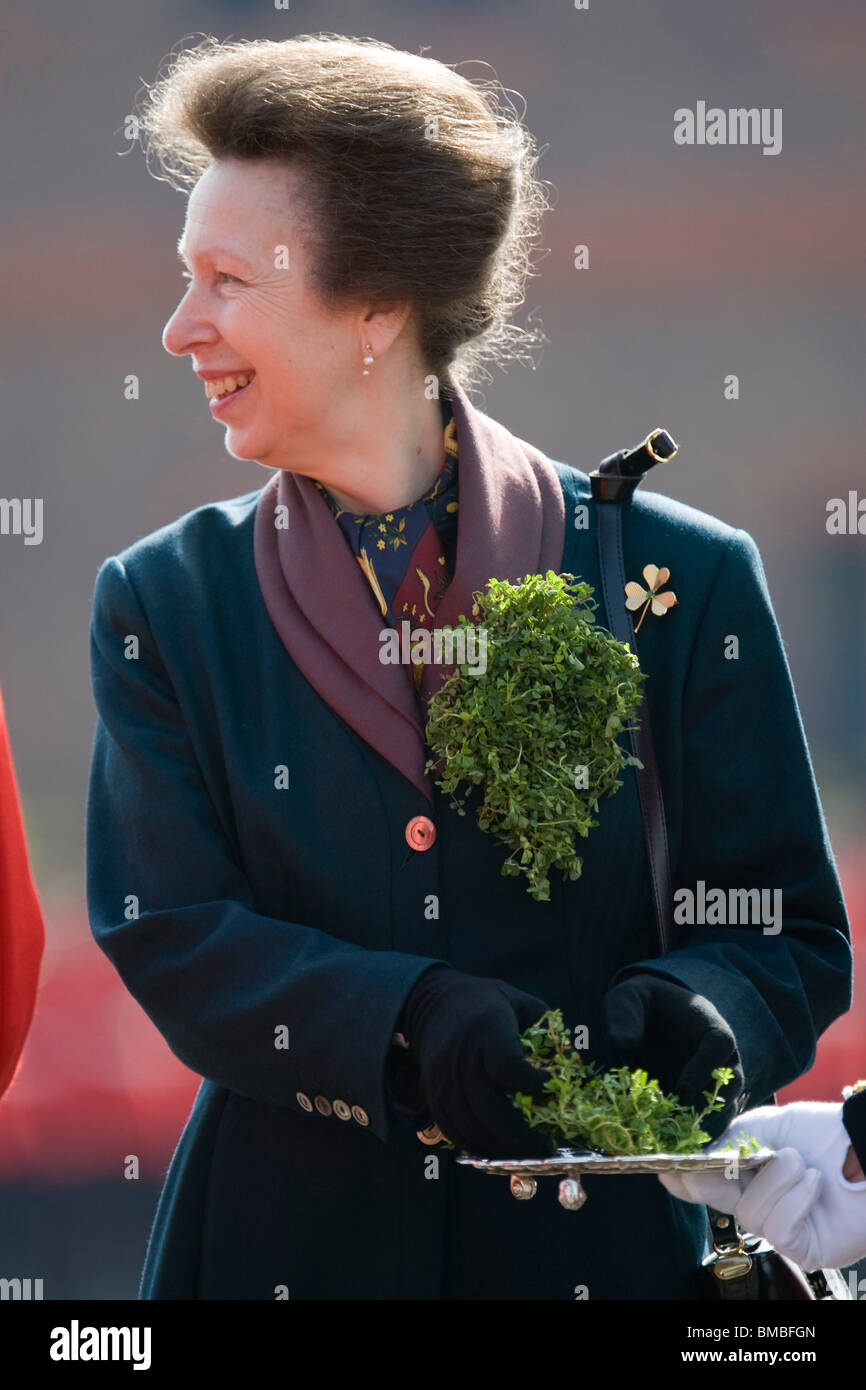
[[615, 1112]]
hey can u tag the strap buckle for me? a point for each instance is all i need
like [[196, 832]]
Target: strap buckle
[[661, 446]]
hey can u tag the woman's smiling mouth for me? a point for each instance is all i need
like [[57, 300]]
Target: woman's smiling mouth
[[221, 390]]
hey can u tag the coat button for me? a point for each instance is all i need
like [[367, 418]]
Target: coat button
[[420, 832], [323, 1105], [431, 1135], [303, 1101], [360, 1116], [342, 1110]]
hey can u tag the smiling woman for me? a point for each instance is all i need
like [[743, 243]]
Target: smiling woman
[[300, 910], [318, 238]]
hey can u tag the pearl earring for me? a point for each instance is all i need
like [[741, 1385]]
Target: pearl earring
[[368, 360]]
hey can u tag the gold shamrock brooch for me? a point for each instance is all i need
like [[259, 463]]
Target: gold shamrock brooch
[[648, 595]]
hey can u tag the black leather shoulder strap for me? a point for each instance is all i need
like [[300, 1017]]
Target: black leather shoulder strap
[[611, 491], [613, 484]]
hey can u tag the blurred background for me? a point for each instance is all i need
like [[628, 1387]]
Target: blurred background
[[704, 262]]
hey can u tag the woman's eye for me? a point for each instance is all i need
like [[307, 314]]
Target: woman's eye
[[222, 275]]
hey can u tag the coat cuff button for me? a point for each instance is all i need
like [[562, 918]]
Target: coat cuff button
[[323, 1105], [304, 1101], [342, 1110], [360, 1115]]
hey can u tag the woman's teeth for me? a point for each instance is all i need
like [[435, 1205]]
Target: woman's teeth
[[224, 385]]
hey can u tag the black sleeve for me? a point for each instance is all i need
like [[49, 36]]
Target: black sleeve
[[854, 1120]]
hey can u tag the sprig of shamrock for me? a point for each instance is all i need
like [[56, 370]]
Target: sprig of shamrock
[[538, 731]]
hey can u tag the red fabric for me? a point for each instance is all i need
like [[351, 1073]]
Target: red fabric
[[22, 931]]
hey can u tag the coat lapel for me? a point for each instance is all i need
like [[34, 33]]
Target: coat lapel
[[511, 523]]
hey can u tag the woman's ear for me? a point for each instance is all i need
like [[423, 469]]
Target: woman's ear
[[382, 326]]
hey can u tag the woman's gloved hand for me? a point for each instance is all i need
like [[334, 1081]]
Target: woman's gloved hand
[[800, 1202], [675, 1035], [464, 1043]]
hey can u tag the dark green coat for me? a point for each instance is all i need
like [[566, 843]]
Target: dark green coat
[[306, 908]]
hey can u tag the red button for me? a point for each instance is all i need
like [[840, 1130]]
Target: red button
[[420, 832]]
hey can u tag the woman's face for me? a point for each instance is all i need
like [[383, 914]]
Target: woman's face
[[248, 313]]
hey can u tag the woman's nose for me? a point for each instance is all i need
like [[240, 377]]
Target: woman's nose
[[187, 328]]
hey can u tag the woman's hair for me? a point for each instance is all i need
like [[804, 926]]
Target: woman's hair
[[418, 183]]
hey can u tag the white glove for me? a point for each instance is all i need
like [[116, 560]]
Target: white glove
[[800, 1201]]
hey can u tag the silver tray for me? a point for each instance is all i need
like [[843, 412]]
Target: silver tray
[[569, 1164]]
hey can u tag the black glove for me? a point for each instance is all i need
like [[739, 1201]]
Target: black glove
[[676, 1036], [467, 1058]]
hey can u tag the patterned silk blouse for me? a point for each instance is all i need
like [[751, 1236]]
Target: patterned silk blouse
[[408, 555]]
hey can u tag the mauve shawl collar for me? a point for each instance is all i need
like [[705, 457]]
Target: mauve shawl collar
[[511, 523]]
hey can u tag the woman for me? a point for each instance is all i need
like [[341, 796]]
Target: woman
[[277, 880]]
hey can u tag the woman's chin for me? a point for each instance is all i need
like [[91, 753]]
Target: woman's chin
[[241, 444]]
